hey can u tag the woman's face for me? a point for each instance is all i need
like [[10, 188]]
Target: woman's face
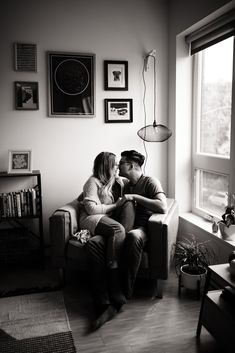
[[116, 168]]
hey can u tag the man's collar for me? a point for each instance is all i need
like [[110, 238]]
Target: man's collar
[[133, 184]]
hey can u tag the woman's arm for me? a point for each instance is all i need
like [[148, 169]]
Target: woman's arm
[[92, 201]]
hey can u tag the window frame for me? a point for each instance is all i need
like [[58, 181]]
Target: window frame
[[206, 162]]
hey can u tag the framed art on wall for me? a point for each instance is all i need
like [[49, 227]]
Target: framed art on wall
[[26, 95], [118, 110], [115, 75], [20, 161], [71, 80]]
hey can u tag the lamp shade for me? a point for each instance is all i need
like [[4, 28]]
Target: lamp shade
[[154, 133]]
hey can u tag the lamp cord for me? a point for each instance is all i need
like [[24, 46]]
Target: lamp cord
[[145, 115], [144, 101]]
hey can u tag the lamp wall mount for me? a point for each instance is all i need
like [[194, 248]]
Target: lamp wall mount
[[152, 54]]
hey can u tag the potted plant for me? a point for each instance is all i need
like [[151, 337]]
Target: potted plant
[[191, 259], [227, 224]]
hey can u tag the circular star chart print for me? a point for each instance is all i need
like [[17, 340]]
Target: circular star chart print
[[71, 77]]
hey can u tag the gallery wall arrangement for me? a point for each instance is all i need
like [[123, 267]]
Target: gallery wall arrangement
[[71, 85]]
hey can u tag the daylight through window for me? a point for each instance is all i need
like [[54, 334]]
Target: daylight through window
[[212, 93]]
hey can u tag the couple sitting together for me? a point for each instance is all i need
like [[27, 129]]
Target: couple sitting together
[[117, 203]]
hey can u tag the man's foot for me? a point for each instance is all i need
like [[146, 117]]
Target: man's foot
[[115, 290], [107, 315]]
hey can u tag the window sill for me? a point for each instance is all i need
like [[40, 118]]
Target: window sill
[[206, 226]]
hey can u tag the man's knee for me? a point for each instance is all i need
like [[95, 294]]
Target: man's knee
[[95, 247], [136, 236]]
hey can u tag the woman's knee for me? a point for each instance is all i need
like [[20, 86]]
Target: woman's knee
[[119, 230], [129, 206]]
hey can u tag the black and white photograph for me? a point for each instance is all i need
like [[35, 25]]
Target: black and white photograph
[[118, 110], [115, 75], [26, 95], [118, 236]]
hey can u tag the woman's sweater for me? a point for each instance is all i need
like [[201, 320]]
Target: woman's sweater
[[95, 205]]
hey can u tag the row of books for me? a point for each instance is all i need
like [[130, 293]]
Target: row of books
[[19, 204]]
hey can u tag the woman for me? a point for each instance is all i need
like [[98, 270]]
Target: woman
[[103, 214]]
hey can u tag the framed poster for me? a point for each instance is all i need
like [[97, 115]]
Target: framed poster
[[71, 84], [118, 111], [19, 161], [26, 95], [115, 75]]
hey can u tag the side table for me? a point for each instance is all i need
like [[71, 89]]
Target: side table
[[216, 314]]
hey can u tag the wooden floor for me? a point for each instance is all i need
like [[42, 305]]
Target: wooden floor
[[144, 325]]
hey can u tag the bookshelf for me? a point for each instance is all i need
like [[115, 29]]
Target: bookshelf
[[23, 204]]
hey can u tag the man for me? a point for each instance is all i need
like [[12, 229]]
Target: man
[[149, 197]]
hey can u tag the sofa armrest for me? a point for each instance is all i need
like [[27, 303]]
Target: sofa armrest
[[62, 224], [162, 232]]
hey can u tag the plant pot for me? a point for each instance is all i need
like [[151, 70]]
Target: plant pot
[[190, 281], [227, 233]]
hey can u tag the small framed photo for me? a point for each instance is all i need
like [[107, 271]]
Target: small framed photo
[[20, 161], [115, 75], [118, 110], [26, 95]]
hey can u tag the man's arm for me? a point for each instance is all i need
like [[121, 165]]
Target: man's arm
[[158, 205]]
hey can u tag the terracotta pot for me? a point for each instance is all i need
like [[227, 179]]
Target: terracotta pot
[[227, 233], [190, 281]]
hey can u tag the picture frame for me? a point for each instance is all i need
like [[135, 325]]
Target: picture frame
[[71, 81], [26, 95], [118, 110], [115, 75], [20, 161]]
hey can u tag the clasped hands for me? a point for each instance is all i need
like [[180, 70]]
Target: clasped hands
[[125, 198]]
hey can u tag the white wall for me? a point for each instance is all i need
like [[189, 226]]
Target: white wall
[[64, 148]]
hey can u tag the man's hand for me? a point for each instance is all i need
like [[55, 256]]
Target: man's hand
[[129, 197], [125, 198]]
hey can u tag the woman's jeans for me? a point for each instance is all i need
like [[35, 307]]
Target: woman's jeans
[[114, 229]]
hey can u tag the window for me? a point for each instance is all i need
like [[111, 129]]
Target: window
[[212, 118]]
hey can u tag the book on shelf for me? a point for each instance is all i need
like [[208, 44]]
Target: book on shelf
[[19, 203]]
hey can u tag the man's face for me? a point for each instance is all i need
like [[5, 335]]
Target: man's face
[[124, 167]]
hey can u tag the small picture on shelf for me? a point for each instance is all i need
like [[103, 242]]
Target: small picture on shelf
[[19, 161]]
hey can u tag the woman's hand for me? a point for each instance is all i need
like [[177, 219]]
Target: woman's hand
[[120, 202], [125, 198]]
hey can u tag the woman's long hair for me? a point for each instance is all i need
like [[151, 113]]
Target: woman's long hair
[[103, 167]]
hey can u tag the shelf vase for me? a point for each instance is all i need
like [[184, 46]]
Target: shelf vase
[[227, 233]]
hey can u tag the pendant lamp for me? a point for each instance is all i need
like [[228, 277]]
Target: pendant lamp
[[155, 132]]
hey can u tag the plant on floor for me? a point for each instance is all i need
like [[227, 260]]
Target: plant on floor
[[196, 255]]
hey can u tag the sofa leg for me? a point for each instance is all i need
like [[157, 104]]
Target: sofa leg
[[157, 288]]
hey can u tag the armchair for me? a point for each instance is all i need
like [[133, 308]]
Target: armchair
[[155, 263]]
